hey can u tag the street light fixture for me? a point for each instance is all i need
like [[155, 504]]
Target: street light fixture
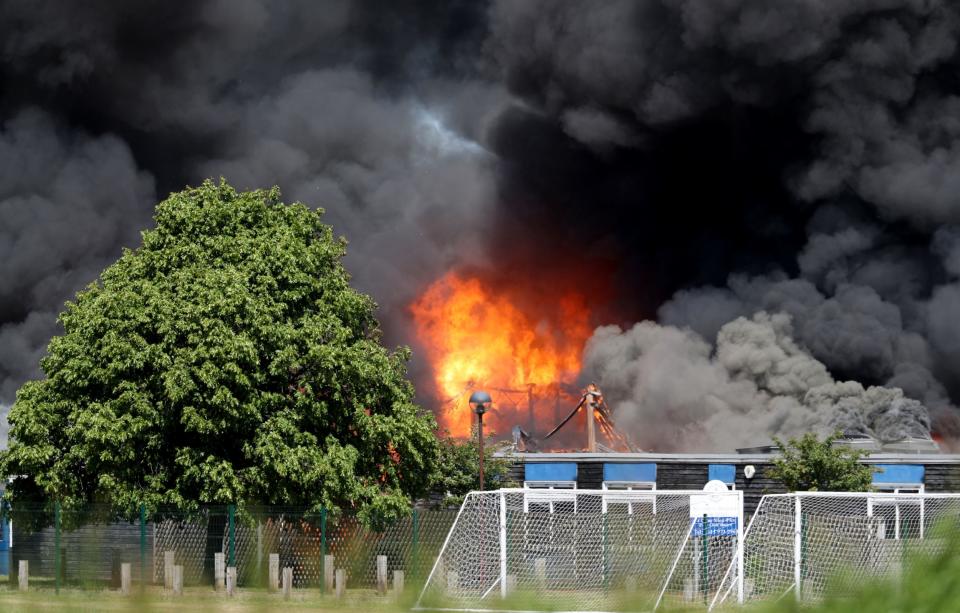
[[480, 403]]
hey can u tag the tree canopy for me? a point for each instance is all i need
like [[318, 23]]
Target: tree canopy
[[809, 464], [226, 360]]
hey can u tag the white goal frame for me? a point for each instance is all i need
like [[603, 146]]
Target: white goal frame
[[590, 507], [794, 510]]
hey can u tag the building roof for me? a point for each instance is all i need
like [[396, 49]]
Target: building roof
[[716, 458]]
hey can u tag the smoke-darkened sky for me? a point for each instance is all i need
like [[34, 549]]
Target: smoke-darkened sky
[[715, 159]]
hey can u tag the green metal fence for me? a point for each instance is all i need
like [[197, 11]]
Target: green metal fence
[[85, 547]]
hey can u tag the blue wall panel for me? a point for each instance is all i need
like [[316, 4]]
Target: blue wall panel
[[622, 471], [898, 473], [722, 472], [550, 471]]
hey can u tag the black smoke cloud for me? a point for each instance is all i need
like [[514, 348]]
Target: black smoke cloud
[[717, 159], [790, 157], [374, 113]]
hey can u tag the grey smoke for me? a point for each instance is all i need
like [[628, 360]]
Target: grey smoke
[[68, 201], [4, 426], [672, 390], [410, 192], [946, 244], [859, 307]]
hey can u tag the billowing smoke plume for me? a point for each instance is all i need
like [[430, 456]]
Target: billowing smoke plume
[[792, 158], [373, 114], [672, 390], [711, 159], [859, 305]]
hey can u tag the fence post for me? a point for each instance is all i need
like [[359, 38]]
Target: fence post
[[125, 578], [56, 546], [397, 583], [219, 571], [273, 572], [169, 561], [231, 580], [323, 550], [382, 575], [143, 547], [329, 564], [23, 575], [178, 579], [415, 546], [287, 582], [259, 551], [231, 513], [705, 546]]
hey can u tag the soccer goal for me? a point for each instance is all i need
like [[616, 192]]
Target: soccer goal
[[797, 544], [586, 550]]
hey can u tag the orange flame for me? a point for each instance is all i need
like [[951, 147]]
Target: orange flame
[[476, 338]]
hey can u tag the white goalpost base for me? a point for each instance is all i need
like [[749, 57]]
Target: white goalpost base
[[587, 550]]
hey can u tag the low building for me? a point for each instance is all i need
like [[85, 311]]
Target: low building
[[902, 472]]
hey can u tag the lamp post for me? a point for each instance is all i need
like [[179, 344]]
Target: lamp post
[[480, 402]]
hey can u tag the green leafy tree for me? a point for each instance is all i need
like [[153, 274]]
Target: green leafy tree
[[226, 360], [458, 471], [809, 464]]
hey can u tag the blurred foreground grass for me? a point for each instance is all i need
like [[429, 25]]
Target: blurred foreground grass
[[930, 585]]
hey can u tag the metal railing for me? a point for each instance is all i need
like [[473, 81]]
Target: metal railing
[[86, 547]]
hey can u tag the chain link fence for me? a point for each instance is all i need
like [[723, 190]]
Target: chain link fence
[[85, 548]]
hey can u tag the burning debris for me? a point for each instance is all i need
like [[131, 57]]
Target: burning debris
[[597, 414]]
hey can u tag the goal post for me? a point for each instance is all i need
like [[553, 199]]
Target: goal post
[[801, 544], [586, 550]]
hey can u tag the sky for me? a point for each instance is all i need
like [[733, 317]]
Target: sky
[[769, 189]]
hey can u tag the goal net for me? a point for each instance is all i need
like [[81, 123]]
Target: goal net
[[586, 550], [802, 543]]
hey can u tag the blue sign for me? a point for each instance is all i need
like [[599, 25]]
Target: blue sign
[[716, 526]]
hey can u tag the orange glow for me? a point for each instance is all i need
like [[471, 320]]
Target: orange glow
[[479, 338]]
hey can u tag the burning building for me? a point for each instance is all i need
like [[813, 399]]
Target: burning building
[[671, 410], [665, 388]]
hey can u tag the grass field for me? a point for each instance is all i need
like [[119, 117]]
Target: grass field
[[193, 600]]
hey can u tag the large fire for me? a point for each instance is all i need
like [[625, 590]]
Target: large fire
[[524, 349]]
